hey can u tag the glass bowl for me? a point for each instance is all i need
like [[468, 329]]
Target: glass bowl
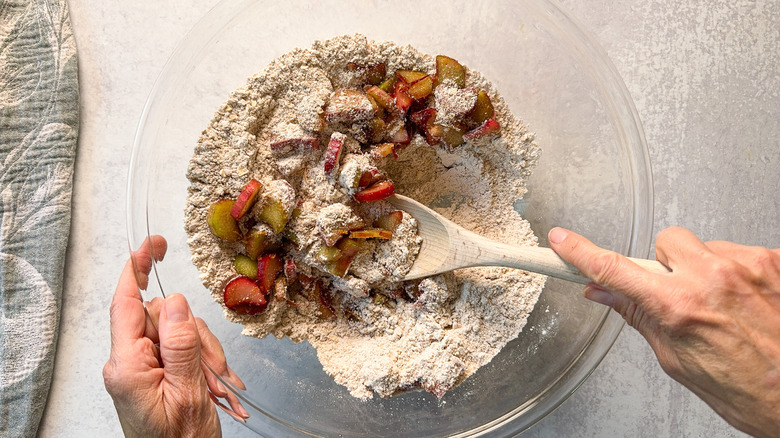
[[593, 177]]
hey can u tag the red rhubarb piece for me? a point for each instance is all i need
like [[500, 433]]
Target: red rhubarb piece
[[243, 296], [246, 199], [402, 99], [376, 191], [268, 268], [290, 270], [371, 233], [333, 152], [490, 126]]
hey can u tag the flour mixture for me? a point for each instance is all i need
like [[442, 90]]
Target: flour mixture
[[288, 225]]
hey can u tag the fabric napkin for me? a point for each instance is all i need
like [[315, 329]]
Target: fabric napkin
[[38, 133]]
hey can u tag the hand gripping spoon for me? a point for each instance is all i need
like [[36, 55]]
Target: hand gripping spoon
[[447, 246]]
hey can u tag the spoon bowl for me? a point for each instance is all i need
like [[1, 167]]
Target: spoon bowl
[[447, 246]]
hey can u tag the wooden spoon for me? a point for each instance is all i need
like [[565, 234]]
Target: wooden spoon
[[447, 246]]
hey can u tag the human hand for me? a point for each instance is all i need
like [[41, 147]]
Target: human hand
[[163, 391], [713, 321]]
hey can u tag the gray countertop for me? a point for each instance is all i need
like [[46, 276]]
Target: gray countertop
[[705, 77]]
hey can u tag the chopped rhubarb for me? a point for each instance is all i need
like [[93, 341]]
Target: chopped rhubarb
[[389, 221], [348, 106], [333, 153], [381, 97], [421, 88], [423, 117], [450, 70], [268, 268], [290, 270], [221, 223], [245, 266], [388, 85], [483, 109], [450, 135], [369, 176], [402, 99], [246, 199], [259, 241], [371, 233], [328, 254], [325, 302], [400, 136], [370, 74], [410, 76], [349, 248], [376, 191], [288, 145], [376, 130], [490, 126], [382, 150], [275, 215], [280, 288], [243, 296]]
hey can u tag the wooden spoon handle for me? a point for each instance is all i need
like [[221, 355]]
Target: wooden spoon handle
[[546, 261]]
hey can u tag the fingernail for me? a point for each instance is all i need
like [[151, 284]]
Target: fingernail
[[557, 235], [599, 295], [176, 309]]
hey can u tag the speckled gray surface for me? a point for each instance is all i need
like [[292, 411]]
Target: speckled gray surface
[[705, 77]]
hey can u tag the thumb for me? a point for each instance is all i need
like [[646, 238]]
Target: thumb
[[179, 343]]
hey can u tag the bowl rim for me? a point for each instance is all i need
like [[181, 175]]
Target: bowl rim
[[615, 93]]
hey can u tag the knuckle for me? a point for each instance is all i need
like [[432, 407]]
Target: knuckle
[[766, 261], [605, 266]]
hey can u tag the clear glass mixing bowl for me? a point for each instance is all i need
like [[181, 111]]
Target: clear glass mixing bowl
[[593, 177]]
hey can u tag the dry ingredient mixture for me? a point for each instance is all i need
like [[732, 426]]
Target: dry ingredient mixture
[[287, 224]]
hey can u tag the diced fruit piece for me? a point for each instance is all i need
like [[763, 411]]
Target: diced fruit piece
[[423, 117], [382, 150], [369, 176], [349, 248], [243, 296], [490, 126], [280, 288], [285, 146], [381, 97], [333, 153], [275, 215], [483, 109], [388, 85], [245, 266], [400, 136], [371, 74], [451, 135], [377, 129], [258, 241], [328, 254], [402, 99], [268, 268], [371, 233], [389, 221], [221, 223], [290, 271], [246, 199], [421, 88], [376, 191], [348, 107], [323, 297], [448, 69], [410, 76]]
